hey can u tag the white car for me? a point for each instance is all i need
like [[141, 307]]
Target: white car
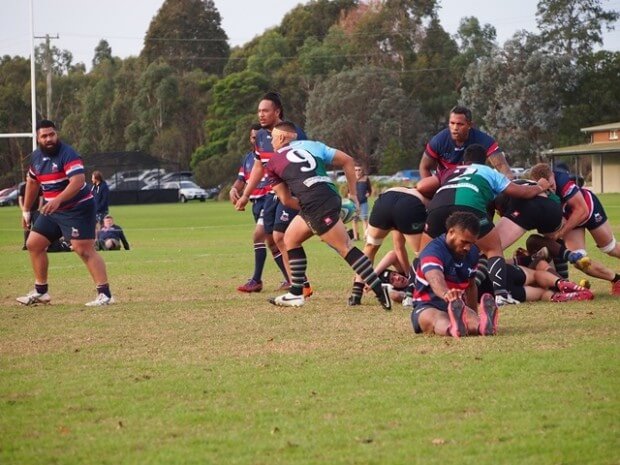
[[188, 190]]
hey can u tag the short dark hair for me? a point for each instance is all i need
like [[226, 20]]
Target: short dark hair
[[475, 153], [286, 126], [461, 110], [45, 123], [464, 220], [274, 97], [561, 166], [255, 127]]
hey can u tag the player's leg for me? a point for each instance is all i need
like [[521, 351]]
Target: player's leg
[[509, 232], [605, 240]]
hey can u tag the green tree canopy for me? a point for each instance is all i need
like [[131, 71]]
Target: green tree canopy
[[188, 35]]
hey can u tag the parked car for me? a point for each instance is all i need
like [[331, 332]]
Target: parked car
[[177, 176], [409, 175], [213, 192], [517, 171], [9, 197], [188, 190], [127, 184]]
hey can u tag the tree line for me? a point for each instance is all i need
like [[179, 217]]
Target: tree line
[[374, 78]]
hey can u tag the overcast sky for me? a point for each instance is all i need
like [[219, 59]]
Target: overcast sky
[[80, 24]]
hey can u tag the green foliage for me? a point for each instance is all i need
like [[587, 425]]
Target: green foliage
[[360, 112], [312, 20], [103, 51], [514, 95], [594, 99], [188, 35], [232, 98], [573, 27]]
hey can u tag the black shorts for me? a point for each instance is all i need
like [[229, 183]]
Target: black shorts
[[324, 216], [436, 220], [276, 216], [400, 211], [540, 213], [598, 217], [77, 223]]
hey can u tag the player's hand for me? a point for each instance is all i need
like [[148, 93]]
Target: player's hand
[[544, 184], [453, 294], [26, 218], [234, 195], [241, 203], [50, 207]]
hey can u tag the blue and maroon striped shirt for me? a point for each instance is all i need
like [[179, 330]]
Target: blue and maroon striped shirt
[[53, 172]]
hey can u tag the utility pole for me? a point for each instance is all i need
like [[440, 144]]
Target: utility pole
[[48, 72]]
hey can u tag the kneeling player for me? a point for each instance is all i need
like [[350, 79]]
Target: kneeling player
[[445, 293]]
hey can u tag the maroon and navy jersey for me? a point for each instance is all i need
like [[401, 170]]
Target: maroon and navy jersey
[[53, 172], [457, 271], [301, 165], [262, 145], [566, 189], [245, 169], [443, 149]]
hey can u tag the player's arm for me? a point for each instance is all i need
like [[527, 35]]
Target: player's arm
[[285, 196], [522, 191], [428, 186], [438, 284], [347, 164], [256, 175], [30, 195], [498, 161], [123, 239], [427, 165], [578, 214], [75, 184]]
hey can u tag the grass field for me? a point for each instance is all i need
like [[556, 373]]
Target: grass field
[[186, 370]]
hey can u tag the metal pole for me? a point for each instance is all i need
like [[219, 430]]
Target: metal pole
[[33, 93]]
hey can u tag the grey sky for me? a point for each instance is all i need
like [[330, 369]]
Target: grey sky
[[123, 23]]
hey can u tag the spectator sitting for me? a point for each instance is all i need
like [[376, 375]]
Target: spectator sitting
[[110, 236]]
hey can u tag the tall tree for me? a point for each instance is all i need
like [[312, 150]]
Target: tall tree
[[517, 95], [573, 26], [232, 98], [362, 111], [103, 51], [188, 35]]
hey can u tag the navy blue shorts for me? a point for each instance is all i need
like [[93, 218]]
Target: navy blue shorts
[[276, 216], [77, 223], [258, 205], [417, 311], [598, 217]]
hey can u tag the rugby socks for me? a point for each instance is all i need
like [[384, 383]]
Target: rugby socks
[[260, 256], [280, 262], [561, 267], [104, 289], [363, 267], [616, 278], [497, 274], [40, 288], [299, 263], [358, 290]]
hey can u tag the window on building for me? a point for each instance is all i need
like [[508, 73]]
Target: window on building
[[613, 135]]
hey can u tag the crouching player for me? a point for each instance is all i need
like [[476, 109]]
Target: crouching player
[[445, 294]]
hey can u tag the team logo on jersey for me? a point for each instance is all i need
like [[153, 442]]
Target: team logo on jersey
[[54, 167], [75, 232]]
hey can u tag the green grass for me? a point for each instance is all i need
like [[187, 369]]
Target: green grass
[[186, 370]]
